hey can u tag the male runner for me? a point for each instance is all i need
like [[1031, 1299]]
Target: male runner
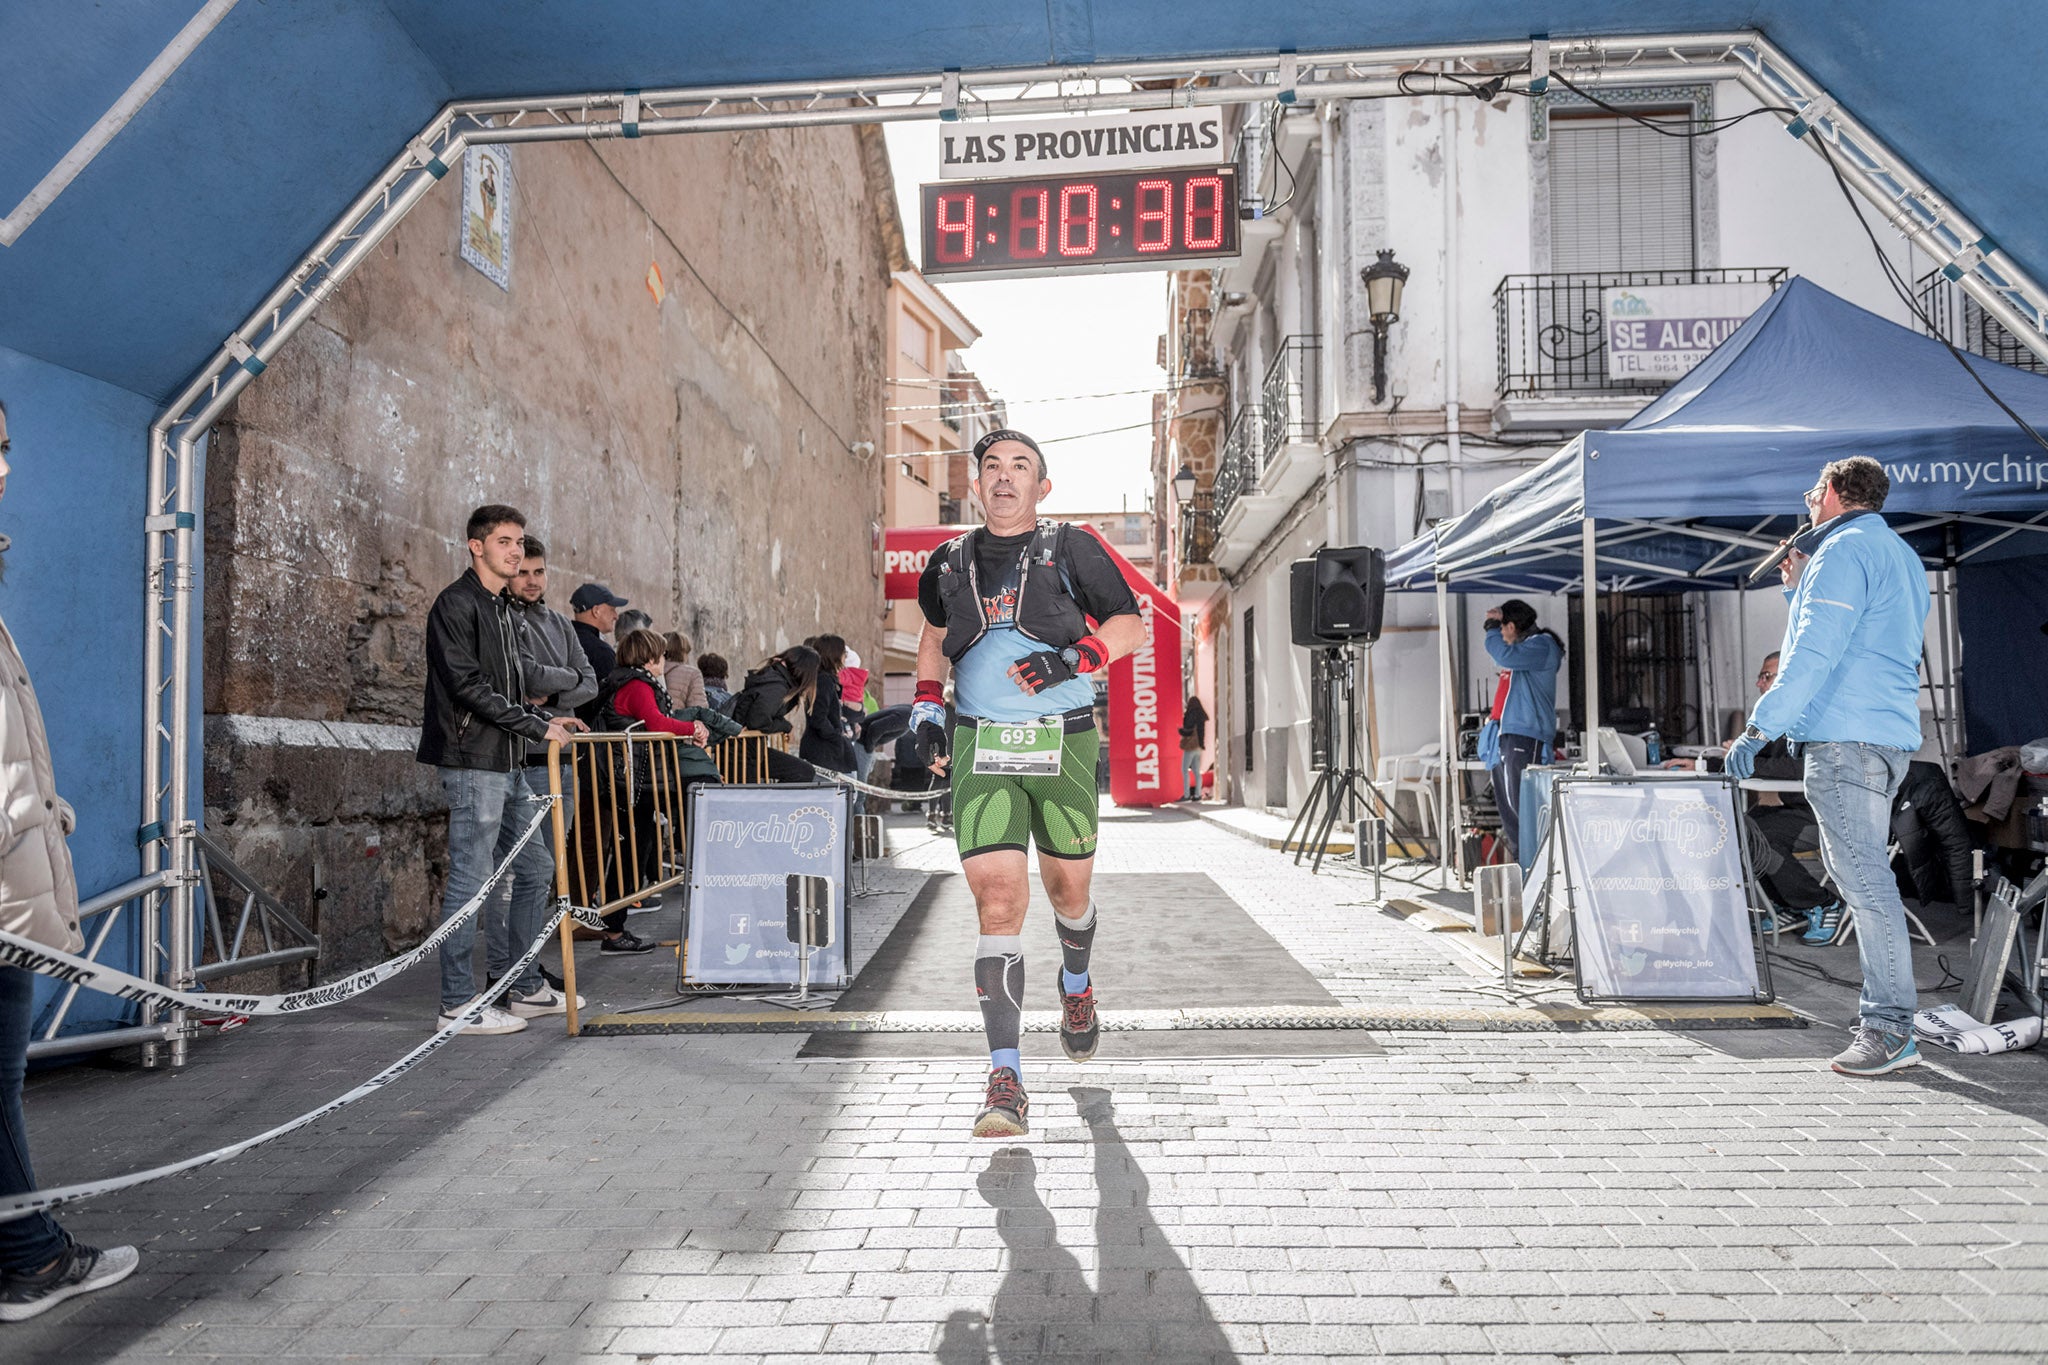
[[1007, 606]]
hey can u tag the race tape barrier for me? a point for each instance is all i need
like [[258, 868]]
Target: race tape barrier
[[16, 951], [886, 793], [36, 1201]]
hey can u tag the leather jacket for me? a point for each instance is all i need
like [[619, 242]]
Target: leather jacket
[[474, 716]]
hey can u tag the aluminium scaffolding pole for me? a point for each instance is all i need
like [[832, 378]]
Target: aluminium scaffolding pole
[[168, 827]]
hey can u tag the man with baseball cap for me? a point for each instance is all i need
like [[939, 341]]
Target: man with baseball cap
[[597, 612], [1008, 608]]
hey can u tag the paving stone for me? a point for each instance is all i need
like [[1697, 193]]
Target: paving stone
[[1653, 1196]]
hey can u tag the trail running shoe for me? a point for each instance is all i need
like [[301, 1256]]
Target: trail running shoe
[[79, 1270], [1873, 1052], [1002, 1113], [1079, 1027], [1826, 926]]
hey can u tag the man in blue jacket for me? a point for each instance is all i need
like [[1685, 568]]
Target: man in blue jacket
[[1525, 704], [1848, 694]]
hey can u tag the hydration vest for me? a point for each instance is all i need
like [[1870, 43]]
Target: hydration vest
[[1046, 609]]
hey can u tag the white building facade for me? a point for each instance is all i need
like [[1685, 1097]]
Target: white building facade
[[1511, 217]]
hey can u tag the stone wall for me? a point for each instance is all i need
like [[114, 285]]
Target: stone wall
[[693, 452]]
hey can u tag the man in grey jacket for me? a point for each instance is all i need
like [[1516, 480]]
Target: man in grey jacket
[[558, 678]]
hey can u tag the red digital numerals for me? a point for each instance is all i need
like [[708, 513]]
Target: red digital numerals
[[956, 227], [1029, 212], [999, 225], [1077, 225], [1204, 196], [1155, 215]]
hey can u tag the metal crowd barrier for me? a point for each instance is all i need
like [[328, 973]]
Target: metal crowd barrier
[[618, 823]]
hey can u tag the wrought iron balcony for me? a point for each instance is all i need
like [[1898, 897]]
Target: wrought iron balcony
[[1963, 323], [1237, 471], [1288, 395], [1197, 541], [1551, 330]]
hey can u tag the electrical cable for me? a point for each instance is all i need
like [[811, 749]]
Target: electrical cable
[[1899, 287]]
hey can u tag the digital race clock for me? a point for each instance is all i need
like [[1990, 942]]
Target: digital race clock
[[1053, 225]]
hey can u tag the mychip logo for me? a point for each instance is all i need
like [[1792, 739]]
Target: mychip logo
[[807, 832], [1692, 828]]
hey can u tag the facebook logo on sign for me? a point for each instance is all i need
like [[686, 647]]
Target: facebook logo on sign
[[737, 925]]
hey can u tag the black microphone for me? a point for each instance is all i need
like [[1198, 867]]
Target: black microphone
[[1778, 556]]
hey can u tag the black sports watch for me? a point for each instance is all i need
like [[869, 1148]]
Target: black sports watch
[[1073, 658], [1750, 731]]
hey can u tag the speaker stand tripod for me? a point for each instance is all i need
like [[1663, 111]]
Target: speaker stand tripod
[[1337, 786]]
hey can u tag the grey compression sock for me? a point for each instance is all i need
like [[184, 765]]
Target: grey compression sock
[[999, 981], [1077, 938]]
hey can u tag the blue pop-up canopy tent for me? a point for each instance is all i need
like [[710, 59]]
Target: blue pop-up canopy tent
[[1688, 493], [1694, 489]]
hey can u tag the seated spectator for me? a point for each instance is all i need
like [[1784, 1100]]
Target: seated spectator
[[766, 697], [717, 692], [684, 681], [1933, 838], [632, 699]]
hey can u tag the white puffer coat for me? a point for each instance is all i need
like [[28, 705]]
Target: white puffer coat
[[38, 891]]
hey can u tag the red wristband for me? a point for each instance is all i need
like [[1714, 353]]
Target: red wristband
[[1094, 654], [927, 690]]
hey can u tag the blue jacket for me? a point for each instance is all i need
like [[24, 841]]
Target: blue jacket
[[1850, 665], [1531, 708]]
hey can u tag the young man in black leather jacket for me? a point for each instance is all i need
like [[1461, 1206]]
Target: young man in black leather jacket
[[475, 729]]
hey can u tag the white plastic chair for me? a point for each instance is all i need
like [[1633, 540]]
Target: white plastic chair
[[1417, 773]]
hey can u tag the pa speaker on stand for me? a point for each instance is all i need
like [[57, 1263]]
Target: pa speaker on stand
[[1336, 598]]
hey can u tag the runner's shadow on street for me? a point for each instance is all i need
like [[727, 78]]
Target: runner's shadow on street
[[1145, 1304]]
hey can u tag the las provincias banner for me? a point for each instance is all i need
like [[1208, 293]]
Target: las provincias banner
[[1145, 692]]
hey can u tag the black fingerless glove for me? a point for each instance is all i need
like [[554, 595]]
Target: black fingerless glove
[[1036, 672]]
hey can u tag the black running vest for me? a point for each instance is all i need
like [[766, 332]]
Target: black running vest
[[1046, 609]]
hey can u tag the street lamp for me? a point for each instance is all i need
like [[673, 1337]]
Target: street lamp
[[1384, 280], [1184, 483]]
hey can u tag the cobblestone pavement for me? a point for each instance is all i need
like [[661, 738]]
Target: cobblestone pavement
[[1647, 1196]]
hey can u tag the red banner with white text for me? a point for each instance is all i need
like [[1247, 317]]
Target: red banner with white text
[[1145, 694]]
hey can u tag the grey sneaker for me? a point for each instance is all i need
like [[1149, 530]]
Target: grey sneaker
[[1873, 1052], [79, 1270]]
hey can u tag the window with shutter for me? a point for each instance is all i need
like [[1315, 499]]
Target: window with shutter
[[1621, 195]]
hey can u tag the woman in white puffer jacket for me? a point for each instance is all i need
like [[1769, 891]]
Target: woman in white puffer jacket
[[40, 1266]]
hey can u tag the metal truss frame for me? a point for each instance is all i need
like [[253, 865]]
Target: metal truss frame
[[169, 829]]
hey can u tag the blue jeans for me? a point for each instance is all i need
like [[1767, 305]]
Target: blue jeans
[[487, 812], [1516, 753], [1191, 774], [499, 949], [1850, 787], [33, 1242]]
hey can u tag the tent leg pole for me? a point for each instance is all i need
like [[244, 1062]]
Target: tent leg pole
[[1448, 817], [1590, 665]]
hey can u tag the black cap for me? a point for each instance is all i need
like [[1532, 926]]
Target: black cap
[[1006, 434], [594, 595]]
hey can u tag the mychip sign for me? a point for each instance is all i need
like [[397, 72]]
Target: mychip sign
[[1661, 331], [1658, 889], [745, 844]]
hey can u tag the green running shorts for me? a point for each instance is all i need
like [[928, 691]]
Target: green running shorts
[[1060, 814]]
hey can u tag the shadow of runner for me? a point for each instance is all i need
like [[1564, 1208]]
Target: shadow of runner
[[1145, 1306]]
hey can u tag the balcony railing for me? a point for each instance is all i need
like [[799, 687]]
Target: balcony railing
[[1197, 543], [1551, 330], [1288, 395], [1965, 325], [1237, 471]]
